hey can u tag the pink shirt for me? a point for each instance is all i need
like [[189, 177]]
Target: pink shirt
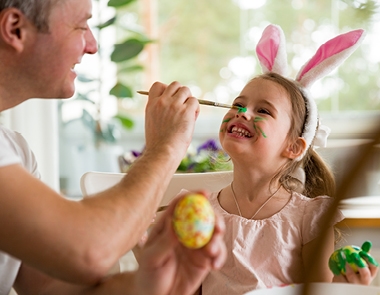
[[266, 253]]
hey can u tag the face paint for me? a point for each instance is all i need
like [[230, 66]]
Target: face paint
[[242, 110], [224, 121], [258, 119]]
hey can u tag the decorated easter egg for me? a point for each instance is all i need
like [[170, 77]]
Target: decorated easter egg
[[193, 221], [345, 254], [354, 256]]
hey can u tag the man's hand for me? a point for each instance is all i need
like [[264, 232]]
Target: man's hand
[[168, 267], [170, 117]]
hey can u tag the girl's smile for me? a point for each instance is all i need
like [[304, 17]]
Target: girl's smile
[[239, 130]]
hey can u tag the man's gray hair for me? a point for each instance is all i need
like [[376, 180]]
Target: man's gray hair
[[37, 11]]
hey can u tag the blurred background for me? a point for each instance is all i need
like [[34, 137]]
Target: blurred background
[[208, 46]]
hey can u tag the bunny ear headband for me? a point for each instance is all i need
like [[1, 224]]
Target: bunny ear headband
[[271, 53]]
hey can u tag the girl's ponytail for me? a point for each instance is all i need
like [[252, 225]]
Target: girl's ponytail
[[319, 177]]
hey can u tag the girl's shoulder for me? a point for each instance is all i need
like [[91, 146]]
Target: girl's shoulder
[[299, 199], [312, 212], [309, 210]]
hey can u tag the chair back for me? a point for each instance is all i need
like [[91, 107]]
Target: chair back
[[94, 182]]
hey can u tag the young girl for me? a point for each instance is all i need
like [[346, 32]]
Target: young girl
[[274, 206]]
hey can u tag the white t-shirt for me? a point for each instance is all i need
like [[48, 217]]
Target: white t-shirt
[[13, 150]]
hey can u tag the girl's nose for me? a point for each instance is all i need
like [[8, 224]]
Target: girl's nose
[[243, 114]]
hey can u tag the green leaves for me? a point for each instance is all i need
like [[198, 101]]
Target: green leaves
[[119, 3], [120, 90], [128, 49], [126, 57], [125, 121], [109, 22]]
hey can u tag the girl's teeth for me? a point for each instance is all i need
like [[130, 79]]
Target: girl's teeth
[[241, 132]]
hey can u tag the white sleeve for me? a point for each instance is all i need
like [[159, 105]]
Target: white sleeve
[[7, 153], [14, 149]]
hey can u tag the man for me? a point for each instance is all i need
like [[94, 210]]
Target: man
[[41, 41]]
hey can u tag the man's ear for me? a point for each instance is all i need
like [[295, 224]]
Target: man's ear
[[295, 149], [12, 28]]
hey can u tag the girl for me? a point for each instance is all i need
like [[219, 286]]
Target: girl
[[274, 206]]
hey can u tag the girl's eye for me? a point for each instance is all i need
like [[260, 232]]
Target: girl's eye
[[264, 111], [238, 104]]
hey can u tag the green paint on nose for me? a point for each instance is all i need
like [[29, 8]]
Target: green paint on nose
[[242, 110]]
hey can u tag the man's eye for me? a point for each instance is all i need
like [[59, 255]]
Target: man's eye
[[83, 27]]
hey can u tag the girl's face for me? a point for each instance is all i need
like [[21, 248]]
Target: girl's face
[[260, 132]]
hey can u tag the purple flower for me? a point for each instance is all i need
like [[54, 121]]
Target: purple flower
[[209, 145], [136, 154]]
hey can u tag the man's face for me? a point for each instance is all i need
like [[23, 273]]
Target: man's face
[[53, 55]]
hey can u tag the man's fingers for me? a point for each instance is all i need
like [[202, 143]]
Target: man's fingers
[[216, 247], [157, 89], [160, 225]]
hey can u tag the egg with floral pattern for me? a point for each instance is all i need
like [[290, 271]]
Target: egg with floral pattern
[[194, 220]]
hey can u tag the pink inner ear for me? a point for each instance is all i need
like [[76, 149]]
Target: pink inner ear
[[268, 45], [330, 48]]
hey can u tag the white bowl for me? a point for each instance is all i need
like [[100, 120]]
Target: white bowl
[[320, 289]]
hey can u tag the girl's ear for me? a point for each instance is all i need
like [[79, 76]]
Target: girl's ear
[[295, 149], [13, 28]]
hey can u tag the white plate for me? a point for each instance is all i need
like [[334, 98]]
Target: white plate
[[320, 289]]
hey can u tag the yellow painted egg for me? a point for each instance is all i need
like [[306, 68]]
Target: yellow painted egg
[[193, 221]]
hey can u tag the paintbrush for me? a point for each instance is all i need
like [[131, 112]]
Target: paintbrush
[[204, 102]]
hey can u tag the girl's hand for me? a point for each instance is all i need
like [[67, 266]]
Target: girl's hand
[[364, 276]]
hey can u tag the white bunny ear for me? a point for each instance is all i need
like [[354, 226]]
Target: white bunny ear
[[329, 56], [271, 51]]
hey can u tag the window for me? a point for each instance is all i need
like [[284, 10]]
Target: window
[[210, 47]]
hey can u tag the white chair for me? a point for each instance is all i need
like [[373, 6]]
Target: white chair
[[94, 182]]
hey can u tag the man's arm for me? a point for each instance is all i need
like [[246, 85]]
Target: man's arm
[[32, 282], [80, 241], [167, 267]]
